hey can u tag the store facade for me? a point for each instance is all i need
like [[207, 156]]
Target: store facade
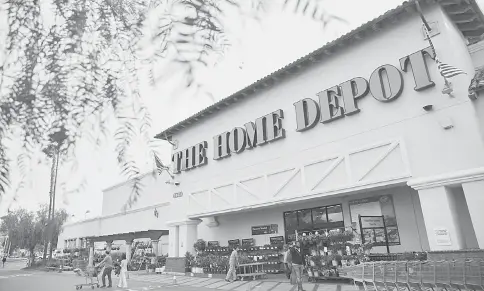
[[360, 127]]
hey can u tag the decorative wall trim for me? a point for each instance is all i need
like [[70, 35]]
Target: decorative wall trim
[[448, 179], [352, 170], [396, 181], [184, 222], [99, 218]]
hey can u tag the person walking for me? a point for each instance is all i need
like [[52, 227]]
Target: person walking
[[287, 266], [107, 262], [3, 261], [123, 273], [297, 261], [233, 263]]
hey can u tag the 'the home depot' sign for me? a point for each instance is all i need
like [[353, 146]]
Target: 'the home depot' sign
[[385, 85]]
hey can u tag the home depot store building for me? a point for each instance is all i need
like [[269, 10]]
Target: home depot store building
[[358, 127]]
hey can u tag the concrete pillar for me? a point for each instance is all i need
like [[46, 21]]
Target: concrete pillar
[[173, 240], [78, 243], [128, 249], [109, 245], [474, 193], [182, 236], [441, 219], [91, 253], [188, 236], [154, 245]]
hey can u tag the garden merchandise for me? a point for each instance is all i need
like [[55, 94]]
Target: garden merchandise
[[214, 259], [328, 251]]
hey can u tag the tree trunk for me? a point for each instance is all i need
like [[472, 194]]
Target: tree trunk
[[56, 167], [50, 250], [32, 256], [51, 203], [45, 251]]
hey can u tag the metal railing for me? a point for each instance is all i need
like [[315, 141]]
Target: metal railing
[[418, 275]]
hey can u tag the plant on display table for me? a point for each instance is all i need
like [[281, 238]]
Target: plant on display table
[[152, 267], [200, 246], [189, 262], [161, 261], [329, 250]]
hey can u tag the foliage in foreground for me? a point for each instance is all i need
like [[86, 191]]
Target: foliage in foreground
[[69, 67]]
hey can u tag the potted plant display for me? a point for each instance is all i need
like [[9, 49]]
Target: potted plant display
[[200, 245], [188, 262], [151, 268]]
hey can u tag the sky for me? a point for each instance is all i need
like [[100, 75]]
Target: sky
[[257, 49]]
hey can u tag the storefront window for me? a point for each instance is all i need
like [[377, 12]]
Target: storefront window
[[376, 206], [319, 219], [335, 216], [290, 219], [305, 221]]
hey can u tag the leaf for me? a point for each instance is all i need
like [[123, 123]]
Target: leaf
[[63, 81]]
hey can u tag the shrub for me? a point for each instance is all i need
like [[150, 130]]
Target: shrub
[[161, 261], [189, 260], [200, 245]]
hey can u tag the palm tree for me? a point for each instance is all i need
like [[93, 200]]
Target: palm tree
[[56, 140]]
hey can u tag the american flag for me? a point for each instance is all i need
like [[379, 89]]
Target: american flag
[[446, 70]]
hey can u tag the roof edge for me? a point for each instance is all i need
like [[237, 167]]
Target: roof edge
[[317, 55]]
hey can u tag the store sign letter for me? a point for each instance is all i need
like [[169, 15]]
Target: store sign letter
[[307, 114], [419, 68]]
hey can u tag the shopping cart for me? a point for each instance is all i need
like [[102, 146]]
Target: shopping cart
[[88, 272], [465, 274]]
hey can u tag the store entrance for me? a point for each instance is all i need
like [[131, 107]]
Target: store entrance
[[318, 219]]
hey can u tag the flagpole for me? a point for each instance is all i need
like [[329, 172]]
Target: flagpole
[[419, 10]]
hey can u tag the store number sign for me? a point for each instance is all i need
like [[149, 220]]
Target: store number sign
[[385, 85], [265, 229], [372, 222], [277, 240], [177, 194], [442, 236]]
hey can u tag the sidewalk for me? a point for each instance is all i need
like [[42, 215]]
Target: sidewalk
[[221, 284]]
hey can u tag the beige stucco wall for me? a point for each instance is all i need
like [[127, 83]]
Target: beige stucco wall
[[409, 219], [426, 147]]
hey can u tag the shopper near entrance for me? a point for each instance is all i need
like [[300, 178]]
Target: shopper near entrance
[[123, 272], [107, 263], [3, 261], [296, 259], [233, 264], [287, 266]]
